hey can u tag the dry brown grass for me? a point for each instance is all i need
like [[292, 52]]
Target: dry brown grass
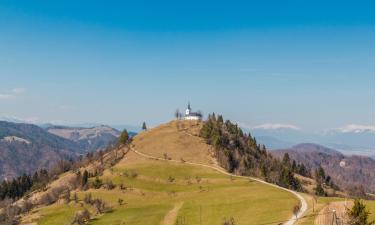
[[326, 214], [176, 140]]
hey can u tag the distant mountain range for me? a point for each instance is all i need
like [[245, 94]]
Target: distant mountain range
[[346, 171], [25, 148], [350, 140], [88, 139]]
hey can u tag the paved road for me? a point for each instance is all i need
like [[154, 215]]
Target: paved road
[[291, 221]]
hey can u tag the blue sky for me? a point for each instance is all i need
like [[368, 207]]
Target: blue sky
[[307, 64]]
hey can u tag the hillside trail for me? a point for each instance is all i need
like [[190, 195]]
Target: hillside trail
[[171, 216], [291, 221], [326, 215]]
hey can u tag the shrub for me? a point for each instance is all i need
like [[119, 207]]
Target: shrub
[[171, 179], [81, 217], [88, 198], [229, 221], [97, 183], [109, 185]]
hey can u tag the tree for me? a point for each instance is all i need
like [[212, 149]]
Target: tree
[[296, 209], [177, 114], [144, 127], [85, 178], [314, 201], [319, 191], [124, 137], [320, 175], [286, 160], [359, 215]]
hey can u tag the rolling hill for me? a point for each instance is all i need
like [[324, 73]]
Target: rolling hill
[[347, 171], [88, 139], [25, 148], [167, 176]]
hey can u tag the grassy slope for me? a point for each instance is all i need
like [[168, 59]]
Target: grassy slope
[[152, 194]]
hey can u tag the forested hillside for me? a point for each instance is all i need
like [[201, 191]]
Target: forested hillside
[[240, 153], [355, 174]]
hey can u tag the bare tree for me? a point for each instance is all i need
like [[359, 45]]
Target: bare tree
[[177, 114], [296, 209], [81, 217], [314, 201]]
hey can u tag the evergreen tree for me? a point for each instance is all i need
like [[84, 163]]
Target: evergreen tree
[[319, 191], [144, 127], [85, 178], [320, 175], [286, 160], [124, 137], [359, 215]]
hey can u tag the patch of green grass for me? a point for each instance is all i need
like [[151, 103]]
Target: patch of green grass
[[61, 214], [371, 207], [149, 214], [209, 195]]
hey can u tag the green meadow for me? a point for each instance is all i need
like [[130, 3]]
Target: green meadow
[[154, 188]]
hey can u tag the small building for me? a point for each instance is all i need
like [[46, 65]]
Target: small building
[[189, 115]]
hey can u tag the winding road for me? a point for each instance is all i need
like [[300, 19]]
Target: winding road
[[291, 221]]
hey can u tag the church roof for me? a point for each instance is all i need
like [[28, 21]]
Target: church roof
[[195, 114]]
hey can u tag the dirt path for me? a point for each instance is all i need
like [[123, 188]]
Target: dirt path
[[291, 221], [171, 216], [326, 215]]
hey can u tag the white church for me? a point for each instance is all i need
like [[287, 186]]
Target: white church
[[189, 115]]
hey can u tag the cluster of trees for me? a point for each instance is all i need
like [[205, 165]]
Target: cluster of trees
[[298, 168], [15, 188], [323, 180], [240, 153], [19, 186]]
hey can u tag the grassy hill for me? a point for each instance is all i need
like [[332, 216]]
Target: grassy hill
[[166, 192]]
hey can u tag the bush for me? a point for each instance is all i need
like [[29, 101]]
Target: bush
[[229, 221], [99, 206], [88, 198], [171, 179], [81, 217], [97, 183], [109, 185]]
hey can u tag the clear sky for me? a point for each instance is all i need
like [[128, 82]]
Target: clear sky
[[304, 63]]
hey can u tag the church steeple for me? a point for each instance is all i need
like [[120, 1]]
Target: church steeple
[[188, 110]]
